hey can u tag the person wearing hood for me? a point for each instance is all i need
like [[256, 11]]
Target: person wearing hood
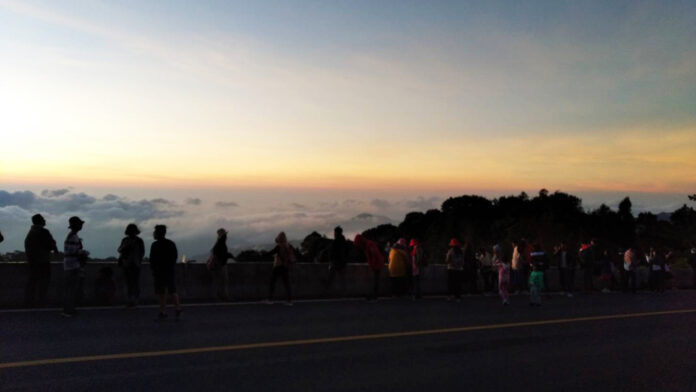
[[455, 260], [131, 253], [218, 268], [375, 261], [283, 259], [399, 263], [38, 246], [503, 268], [418, 263]]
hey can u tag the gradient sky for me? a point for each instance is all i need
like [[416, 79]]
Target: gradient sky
[[357, 95]]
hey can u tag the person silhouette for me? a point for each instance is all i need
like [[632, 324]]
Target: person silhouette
[[38, 245]]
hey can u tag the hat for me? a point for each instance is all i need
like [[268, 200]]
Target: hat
[[38, 220], [413, 242], [455, 242], [221, 232], [74, 221]]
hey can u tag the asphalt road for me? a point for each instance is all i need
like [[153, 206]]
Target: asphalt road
[[612, 342]]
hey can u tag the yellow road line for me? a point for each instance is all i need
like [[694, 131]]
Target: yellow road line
[[238, 347]]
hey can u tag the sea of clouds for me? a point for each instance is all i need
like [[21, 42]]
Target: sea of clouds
[[192, 221]]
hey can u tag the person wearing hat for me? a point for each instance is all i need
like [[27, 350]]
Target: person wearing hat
[[131, 253], [74, 257], [337, 259], [38, 245], [218, 268], [455, 269]]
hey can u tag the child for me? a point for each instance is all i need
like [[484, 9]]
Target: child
[[503, 274], [536, 285]]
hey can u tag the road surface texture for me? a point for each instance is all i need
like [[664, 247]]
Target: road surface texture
[[599, 342]]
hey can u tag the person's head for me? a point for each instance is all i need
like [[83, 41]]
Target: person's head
[[132, 230], [593, 241], [160, 232], [281, 238], [222, 233], [498, 251], [454, 243], [402, 242], [338, 231], [75, 224], [38, 220]]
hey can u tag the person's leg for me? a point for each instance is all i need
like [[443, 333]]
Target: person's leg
[[286, 282], [458, 280], [226, 282], [136, 284], [271, 286], [30, 288], [162, 299], [417, 285], [377, 274], [43, 283], [70, 282]]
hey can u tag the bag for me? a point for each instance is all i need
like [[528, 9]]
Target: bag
[[211, 263]]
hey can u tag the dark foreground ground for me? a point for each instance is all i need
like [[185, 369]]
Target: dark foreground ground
[[648, 352]]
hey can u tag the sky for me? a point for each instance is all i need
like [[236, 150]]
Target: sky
[[269, 104]]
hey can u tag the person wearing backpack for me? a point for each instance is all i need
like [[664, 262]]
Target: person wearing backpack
[[455, 269], [587, 254], [283, 259], [131, 253]]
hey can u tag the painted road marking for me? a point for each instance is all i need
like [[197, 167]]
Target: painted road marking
[[337, 339]]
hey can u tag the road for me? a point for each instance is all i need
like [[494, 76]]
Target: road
[[613, 342]]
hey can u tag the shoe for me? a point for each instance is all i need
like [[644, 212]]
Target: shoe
[[570, 295], [178, 314], [289, 303], [67, 315], [268, 302], [161, 316], [506, 303], [606, 291], [458, 300]]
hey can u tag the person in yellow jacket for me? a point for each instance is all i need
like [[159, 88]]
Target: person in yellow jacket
[[399, 263]]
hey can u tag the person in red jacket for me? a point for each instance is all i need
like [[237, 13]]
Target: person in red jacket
[[375, 260]]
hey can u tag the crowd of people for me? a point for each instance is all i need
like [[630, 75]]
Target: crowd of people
[[521, 270]]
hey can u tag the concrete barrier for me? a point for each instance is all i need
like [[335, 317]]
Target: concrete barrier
[[249, 281]]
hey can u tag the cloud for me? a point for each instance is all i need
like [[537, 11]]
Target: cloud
[[226, 204], [380, 203], [424, 204], [193, 201], [110, 197], [54, 192], [21, 199]]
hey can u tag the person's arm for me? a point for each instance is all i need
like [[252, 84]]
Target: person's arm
[[51, 242], [141, 246]]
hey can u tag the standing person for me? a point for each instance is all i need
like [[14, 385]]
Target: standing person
[[337, 258], [536, 285], [218, 267], [418, 263], [131, 253], [74, 258], [488, 274], [692, 262], [399, 263], [163, 256], [470, 273], [38, 246], [588, 259], [455, 268], [283, 259], [656, 262], [630, 264], [503, 268], [375, 260], [566, 271]]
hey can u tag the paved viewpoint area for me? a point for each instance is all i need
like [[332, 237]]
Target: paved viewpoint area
[[612, 342]]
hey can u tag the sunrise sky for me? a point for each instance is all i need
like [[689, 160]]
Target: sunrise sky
[[353, 97]]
